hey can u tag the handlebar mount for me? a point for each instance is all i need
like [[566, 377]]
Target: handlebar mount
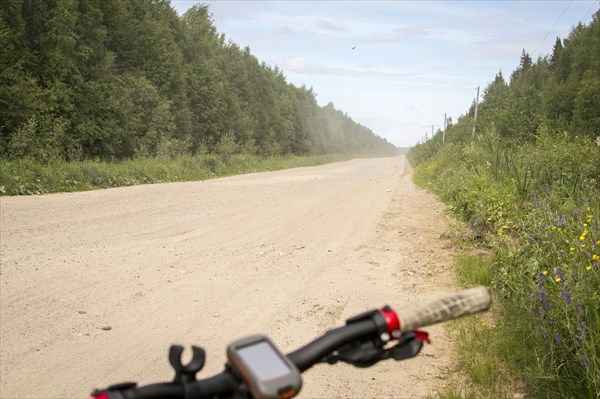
[[362, 342]]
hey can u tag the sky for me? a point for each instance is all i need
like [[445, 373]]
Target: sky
[[396, 67]]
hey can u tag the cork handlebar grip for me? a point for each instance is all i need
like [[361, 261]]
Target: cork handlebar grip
[[462, 303]]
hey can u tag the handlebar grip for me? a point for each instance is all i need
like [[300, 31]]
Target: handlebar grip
[[462, 303]]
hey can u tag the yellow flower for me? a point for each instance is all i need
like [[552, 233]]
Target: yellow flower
[[585, 225], [483, 324], [557, 279], [588, 209], [588, 267], [553, 228], [595, 257], [545, 272], [582, 246]]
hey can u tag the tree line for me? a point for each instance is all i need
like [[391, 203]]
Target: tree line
[[559, 94], [118, 79]]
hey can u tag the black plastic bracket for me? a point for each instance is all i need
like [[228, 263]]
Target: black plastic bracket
[[186, 373]]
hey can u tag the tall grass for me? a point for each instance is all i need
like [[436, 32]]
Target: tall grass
[[536, 207], [29, 176]]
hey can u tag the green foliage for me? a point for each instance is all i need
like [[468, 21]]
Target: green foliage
[[121, 79], [28, 176], [529, 186]]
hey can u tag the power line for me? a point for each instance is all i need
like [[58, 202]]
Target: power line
[[589, 11], [551, 29]]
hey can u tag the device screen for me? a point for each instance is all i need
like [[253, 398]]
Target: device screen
[[262, 359]]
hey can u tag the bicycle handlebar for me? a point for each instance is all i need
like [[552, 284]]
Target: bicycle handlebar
[[449, 307], [360, 342]]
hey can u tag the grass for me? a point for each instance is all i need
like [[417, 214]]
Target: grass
[[536, 209], [29, 176]]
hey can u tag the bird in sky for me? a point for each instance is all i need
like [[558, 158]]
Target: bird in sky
[[353, 47]]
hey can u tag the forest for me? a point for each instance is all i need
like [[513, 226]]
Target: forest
[[521, 170], [114, 80]]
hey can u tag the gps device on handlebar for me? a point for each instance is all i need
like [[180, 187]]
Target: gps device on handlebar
[[267, 372], [257, 369]]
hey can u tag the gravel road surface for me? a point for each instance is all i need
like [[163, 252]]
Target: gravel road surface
[[95, 286]]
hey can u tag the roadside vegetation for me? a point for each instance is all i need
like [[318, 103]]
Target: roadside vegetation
[[28, 176], [101, 93], [527, 185]]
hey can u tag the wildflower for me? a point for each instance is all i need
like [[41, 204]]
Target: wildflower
[[588, 267], [582, 246], [557, 279], [584, 234], [543, 332], [586, 360], [566, 296], [553, 228], [595, 257], [483, 324], [545, 272], [557, 338], [588, 209], [579, 309]]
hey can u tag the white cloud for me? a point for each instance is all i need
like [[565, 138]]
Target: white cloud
[[332, 26]]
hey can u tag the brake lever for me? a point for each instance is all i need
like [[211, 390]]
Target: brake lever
[[368, 353]]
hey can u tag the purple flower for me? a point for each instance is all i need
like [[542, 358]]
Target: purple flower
[[543, 332], [557, 338], [541, 277], [561, 220], [579, 309], [586, 362], [566, 296], [559, 273], [543, 296]]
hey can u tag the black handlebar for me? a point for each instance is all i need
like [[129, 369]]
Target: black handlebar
[[361, 342]]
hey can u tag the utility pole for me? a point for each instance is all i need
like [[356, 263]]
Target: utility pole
[[476, 105], [444, 132]]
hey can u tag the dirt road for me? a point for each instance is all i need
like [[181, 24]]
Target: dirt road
[[288, 253]]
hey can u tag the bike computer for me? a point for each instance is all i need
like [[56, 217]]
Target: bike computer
[[267, 372]]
